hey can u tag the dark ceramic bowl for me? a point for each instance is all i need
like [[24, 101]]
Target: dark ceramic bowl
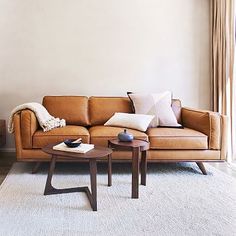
[[69, 143]]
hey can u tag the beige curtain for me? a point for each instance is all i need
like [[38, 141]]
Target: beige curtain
[[222, 58]]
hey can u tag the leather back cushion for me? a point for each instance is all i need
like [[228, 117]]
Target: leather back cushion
[[74, 109], [103, 108]]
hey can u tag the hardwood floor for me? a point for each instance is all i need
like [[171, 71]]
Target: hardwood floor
[[6, 161], [8, 158]]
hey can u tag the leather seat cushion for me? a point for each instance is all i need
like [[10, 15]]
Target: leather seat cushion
[[41, 139], [172, 138], [99, 135]]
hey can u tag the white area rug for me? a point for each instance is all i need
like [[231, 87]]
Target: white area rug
[[177, 200]]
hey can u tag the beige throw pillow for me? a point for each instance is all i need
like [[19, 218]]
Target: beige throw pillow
[[132, 121], [157, 104]]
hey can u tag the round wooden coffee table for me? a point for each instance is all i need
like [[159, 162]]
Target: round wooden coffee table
[[136, 146], [91, 156]]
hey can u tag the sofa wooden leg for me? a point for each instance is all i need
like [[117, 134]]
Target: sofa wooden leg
[[36, 167], [202, 167]]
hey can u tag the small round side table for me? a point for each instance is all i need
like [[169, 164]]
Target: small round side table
[[92, 156], [137, 146]]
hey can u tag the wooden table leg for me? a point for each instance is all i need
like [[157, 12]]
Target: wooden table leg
[[135, 172], [93, 179], [92, 195], [143, 167], [109, 170], [49, 189]]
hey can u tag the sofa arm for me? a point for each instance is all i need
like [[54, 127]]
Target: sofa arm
[[17, 135], [28, 126], [210, 123]]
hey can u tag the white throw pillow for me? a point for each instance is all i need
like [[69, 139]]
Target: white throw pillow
[[157, 104], [127, 120]]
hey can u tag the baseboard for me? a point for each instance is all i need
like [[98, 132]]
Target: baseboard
[[7, 150]]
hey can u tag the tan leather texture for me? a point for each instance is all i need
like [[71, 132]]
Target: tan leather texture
[[177, 145], [224, 125], [173, 138], [196, 119], [182, 155], [101, 109], [206, 122], [74, 109], [176, 107], [99, 135], [41, 139], [29, 125], [34, 155], [17, 136], [215, 131], [152, 155]]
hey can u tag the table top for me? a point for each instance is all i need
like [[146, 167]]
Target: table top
[[96, 152], [144, 145]]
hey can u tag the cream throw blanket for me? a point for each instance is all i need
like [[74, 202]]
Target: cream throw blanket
[[46, 121]]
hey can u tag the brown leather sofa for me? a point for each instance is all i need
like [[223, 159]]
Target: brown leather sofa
[[203, 137]]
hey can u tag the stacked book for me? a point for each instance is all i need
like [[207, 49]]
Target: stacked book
[[82, 148]]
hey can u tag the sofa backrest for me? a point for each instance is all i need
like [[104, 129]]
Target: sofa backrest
[[74, 109], [81, 110], [176, 107], [103, 108]]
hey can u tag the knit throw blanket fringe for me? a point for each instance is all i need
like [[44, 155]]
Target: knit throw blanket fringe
[[46, 121]]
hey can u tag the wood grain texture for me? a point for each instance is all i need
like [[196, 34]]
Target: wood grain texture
[[2, 133], [6, 161]]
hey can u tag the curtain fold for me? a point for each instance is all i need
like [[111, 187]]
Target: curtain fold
[[222, 64]]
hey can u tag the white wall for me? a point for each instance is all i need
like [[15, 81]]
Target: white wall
[[105, 47]]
